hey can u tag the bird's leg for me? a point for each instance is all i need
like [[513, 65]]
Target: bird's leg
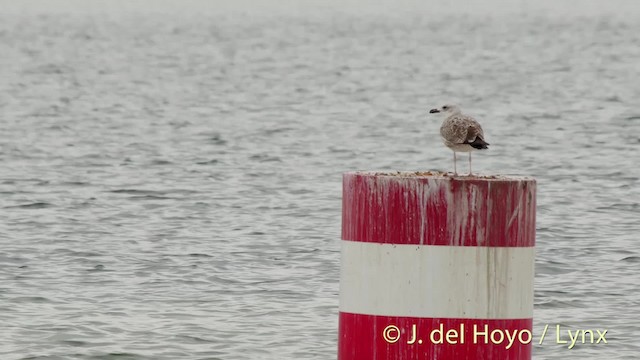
[[455, 169], [469, 163]]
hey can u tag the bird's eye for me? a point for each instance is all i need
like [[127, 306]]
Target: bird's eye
[[445, 107]]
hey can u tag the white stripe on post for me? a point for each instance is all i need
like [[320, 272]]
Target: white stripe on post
[[437, 281]]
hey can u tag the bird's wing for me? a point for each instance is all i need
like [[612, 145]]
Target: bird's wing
[[474, 130], [462, 129]]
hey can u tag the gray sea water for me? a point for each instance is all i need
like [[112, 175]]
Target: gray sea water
[[170, 174]]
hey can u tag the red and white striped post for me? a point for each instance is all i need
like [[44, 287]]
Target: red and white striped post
[[436, 267]]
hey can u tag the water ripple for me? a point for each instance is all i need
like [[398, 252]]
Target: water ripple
[[170, 184]]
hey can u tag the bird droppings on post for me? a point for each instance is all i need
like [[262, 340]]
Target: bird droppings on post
[[442, 174], [429, 248]]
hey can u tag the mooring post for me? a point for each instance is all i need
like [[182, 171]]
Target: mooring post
[[436, 267]]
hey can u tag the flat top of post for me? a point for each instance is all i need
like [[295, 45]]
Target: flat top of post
[[439, 175]]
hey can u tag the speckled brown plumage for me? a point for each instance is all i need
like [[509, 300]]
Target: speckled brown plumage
[[460, 133]]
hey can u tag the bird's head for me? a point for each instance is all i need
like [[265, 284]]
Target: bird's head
[[448, 109]]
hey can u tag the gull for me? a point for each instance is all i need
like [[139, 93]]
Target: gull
[[460, 133]]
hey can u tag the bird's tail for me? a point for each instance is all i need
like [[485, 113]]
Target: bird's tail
[[479, 143]]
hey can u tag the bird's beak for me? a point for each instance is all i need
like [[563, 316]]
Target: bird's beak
[[433, 111]]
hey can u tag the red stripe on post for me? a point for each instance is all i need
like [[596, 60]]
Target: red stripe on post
[[369, 337], [428, 252], [438, 210]]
